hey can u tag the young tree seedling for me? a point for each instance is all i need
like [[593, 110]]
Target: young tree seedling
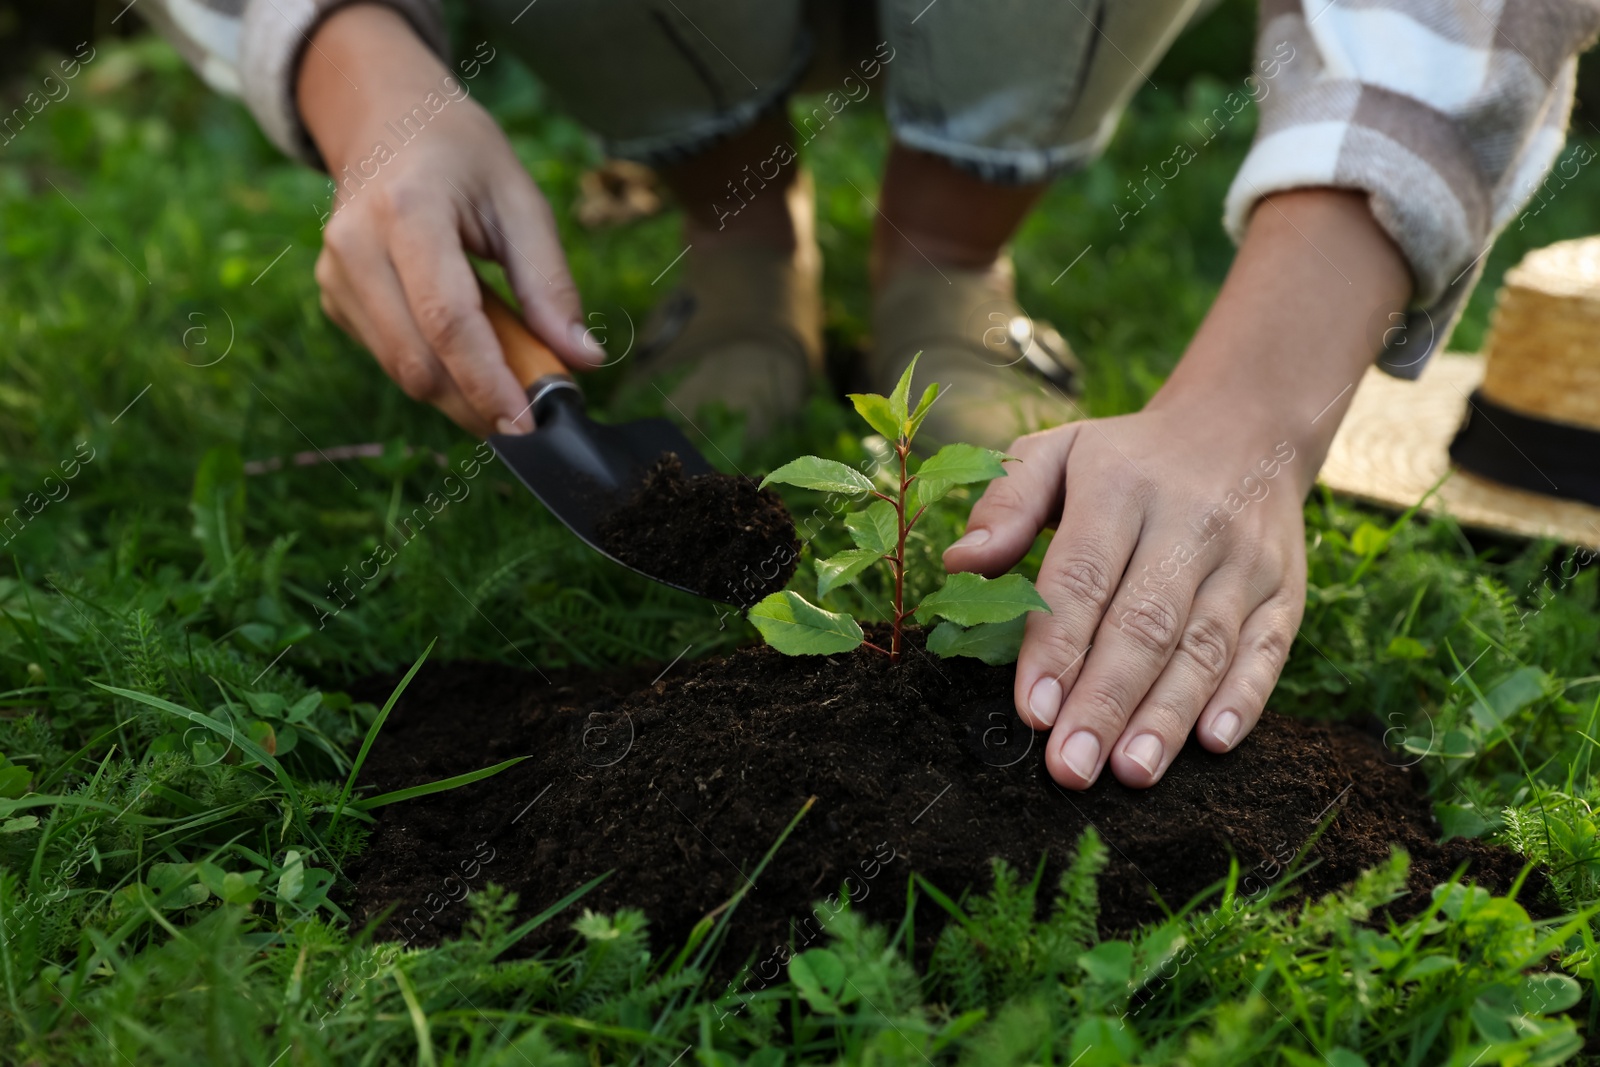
[[982, 617]]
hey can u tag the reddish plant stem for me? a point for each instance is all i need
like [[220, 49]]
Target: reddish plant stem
[[903, 449]]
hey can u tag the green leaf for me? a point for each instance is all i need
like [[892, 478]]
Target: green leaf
[[993, 642], [173, 886], [832, 573], [899, 400], [1428, 966], [266, 705], [1109, 963], [1456, 900], [875, 409], [1368, 540], [929, 395], [1458, 820], [818, 975], [15, 781], [235, 887], [218, 507], [796, 627], [1548, 993], [968, 599], [293, 878], [301, 709], [1518, 690], [1455, 743], [1101, 1041], [262, 734], [1403, 647], [926, 492], [19, 824], [826, 475], [876, 528], [962, 464]]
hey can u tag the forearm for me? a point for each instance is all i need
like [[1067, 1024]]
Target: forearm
[[364, 67], [1300, 317]]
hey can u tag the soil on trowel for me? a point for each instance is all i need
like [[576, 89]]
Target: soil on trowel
[[715, 534], [679, 786]]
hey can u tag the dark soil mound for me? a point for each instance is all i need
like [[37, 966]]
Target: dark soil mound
[[713, 533], [681, 785]]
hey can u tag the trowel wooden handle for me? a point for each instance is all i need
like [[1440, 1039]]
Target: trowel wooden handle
[[529, 358]]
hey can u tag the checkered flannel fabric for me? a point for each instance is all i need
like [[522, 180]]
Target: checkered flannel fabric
[[1447, 113]]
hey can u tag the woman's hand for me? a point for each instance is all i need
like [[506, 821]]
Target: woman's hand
[[1176, 583], [424, 176], [1177, 574]]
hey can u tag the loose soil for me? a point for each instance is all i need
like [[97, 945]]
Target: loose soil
[[716, 534], [680, 785]]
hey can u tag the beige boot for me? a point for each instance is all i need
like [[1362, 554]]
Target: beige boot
[[1003, 373], [744, 329]]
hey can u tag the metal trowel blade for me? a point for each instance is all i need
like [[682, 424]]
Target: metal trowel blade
[[581, 469]]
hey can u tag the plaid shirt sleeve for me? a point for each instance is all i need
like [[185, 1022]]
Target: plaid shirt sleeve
[[1448, 115], [252, 48]]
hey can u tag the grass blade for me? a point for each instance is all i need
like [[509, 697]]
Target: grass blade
[[372, 733], [524, 929], [419, 1020], [442, 785]]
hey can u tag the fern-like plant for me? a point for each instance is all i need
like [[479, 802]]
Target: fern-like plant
[[982, 616]]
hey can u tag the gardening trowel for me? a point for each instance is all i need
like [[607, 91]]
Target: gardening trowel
[[578, 468]]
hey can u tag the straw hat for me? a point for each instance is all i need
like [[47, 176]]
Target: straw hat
[[1521, 423]]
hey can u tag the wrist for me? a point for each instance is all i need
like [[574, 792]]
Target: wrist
[[361, 63], [1300, 318], [1240, 425]]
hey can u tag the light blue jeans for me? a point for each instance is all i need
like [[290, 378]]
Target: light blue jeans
[[1011, 90]]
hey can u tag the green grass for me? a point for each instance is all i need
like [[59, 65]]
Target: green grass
[[167, 852]]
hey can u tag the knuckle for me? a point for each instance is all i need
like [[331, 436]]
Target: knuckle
[[443, 323], [326, 272], [1139, 487], [1084, 578], [1253, 691], [1102, 711], [1255, 555], [419, 379], [1206, 642], [1271, 645], [1151, 623], [562, 293], [1055, 645], [1001, 498], [395, 200], [1167, 720], [338, 238]]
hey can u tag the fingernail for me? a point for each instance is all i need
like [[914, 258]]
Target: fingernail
[[585, 344], [971, 539], [1082, 753], [1145, 750], [1044, 701], [507, 427], [1225, 727]]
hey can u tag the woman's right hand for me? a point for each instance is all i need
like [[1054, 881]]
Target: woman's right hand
[[393, 270]]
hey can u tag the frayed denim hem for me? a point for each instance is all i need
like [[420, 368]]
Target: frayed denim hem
[[664, 149]]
